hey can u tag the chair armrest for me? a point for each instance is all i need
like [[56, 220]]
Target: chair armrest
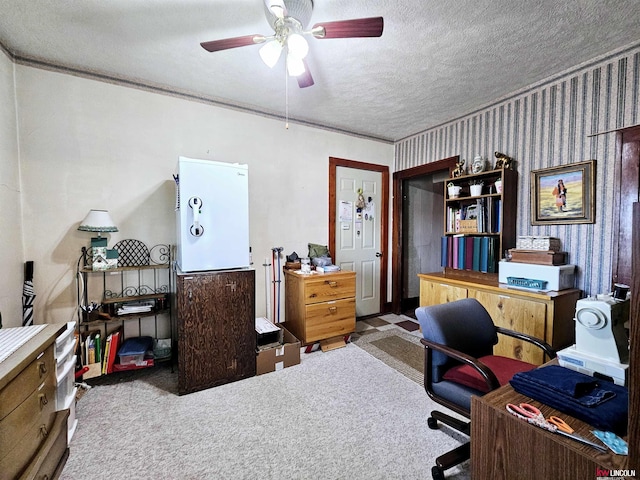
[[488, 376], [546, 348]]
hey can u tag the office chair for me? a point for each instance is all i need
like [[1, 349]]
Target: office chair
[[459, 362]]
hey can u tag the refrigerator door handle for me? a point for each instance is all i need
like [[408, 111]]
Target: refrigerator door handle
[[196, 204]]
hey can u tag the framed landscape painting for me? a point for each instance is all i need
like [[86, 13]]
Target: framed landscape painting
[[562, 195]]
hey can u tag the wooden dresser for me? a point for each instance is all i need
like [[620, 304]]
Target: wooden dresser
[[33, 436], [216, 328], [320, 306], [548, 316]]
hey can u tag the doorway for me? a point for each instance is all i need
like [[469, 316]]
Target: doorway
[[358, 237], [418, 205]]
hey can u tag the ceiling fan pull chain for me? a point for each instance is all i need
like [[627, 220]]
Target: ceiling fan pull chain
[[286, 94]]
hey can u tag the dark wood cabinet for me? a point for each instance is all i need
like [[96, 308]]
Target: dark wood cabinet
[[216, 328]]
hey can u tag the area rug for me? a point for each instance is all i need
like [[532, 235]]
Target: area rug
[[400, 351]]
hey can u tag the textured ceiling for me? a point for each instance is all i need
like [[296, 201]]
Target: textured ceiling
[[435, 61]]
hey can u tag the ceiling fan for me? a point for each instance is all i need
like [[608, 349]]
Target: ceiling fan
[[289, 19]]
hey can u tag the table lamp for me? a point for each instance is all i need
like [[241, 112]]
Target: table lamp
[[98, 221]]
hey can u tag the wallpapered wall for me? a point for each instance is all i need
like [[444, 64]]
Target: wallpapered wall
[[545, 125]]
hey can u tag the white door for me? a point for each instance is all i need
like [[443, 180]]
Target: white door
[[358, 233]]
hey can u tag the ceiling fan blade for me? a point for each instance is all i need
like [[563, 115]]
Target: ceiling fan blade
[[359, 27], [305, 80], [227, 43]]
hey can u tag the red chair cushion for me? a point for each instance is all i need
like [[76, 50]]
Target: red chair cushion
[[504, 369]]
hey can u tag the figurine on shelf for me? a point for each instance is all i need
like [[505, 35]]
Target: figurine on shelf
[[478, 164], [503, 161], [459, 170]]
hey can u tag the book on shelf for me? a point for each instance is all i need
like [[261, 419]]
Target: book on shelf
[[476, 254], [484, 254], [113, 350], [468, 257]]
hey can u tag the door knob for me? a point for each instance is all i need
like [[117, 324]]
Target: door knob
[[378, 254]]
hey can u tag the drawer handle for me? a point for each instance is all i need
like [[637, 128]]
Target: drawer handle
[[331, 283], [333, 309], [43, 400], [42, 368], [44, 431]]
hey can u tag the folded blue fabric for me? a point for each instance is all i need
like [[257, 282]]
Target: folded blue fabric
[[597, 402]]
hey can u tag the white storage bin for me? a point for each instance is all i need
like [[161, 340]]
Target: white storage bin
[[558, 277], [65, 344], [72, 422], [65, 376]]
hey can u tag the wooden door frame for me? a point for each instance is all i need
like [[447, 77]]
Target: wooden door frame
[[334, 163], [626, 192], [398, 198]]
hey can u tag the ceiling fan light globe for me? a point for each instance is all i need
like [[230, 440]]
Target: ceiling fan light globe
[[276, 7], [270, 53], [295, 65], [297, 45]]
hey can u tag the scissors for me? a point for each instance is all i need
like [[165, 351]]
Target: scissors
[[553, 424]]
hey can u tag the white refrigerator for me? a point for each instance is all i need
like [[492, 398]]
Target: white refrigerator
[[212, 215]]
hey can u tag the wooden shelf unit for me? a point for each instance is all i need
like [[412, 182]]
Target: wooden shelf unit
[[127, 285], [505, 234]]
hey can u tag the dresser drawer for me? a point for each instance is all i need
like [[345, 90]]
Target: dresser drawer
[[330, 319], [49, 460], [25, 448], [322, 288], [29, 415], [42, 369]]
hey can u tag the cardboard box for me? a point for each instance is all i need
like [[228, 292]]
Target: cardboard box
[[558, 277], [280, 356]]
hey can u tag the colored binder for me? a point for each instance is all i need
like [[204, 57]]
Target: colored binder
[[461, 253], [443, 251], [491, 260], [484, 254], [456, 251], [476, 254], [468, 254]]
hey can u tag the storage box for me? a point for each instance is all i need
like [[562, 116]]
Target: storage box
[[539, 257], [279, 356], [558, 277], [267, 334], [133, 350], [468, 226], [538, 243]]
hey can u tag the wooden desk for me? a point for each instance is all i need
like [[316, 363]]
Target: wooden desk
[[506, 447]]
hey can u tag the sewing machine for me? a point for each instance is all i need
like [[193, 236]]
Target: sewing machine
[[602, 341]]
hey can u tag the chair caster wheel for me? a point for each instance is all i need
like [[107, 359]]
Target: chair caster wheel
[[437, 473], [432, 423]]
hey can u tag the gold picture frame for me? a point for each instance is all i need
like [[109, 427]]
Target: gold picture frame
[[564, 194]]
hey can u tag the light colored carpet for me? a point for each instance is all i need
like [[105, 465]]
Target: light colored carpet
[[339, 414]]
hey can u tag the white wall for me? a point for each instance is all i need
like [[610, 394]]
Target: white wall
[[11, 251], [88, 144]]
